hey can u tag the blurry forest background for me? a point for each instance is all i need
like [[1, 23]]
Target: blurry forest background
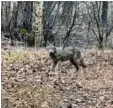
[[27, 27], [65, 23]]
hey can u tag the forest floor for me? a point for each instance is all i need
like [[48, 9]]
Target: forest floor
[[28, 82]]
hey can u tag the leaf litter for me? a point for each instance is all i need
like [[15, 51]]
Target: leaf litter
[[28, 82]]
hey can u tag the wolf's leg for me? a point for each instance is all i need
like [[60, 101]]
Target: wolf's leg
[[54, 65], [83, 64], [75, 64]]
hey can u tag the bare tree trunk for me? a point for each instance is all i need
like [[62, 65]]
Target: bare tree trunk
[[104, 13], [104, 18], [37, 23], [88, 31]]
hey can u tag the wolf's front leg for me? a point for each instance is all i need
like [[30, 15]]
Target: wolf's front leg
[[54, 65]]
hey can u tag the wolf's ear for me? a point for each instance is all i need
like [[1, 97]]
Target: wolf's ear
[[53, 43], [48, 43]]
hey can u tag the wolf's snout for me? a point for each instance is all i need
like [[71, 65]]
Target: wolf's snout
[[51, 51]]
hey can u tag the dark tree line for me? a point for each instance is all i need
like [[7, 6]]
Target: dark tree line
[[19, 23], [61, 21]]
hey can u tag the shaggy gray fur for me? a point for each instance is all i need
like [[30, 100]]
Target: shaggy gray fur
[[64, 54]]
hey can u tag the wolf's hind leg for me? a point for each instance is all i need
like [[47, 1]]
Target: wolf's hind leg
[[75, 64], [83, 64]]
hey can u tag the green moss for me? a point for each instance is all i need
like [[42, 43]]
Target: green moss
[[14, 57], [24, 31]]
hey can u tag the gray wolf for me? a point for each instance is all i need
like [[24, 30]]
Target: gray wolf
[[63, 54]]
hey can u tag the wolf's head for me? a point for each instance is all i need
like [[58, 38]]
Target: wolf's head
[[51, 49]]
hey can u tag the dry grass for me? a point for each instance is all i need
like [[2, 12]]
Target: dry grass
[[29, 83]]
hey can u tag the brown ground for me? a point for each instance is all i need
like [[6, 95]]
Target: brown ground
[[28, 82]]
